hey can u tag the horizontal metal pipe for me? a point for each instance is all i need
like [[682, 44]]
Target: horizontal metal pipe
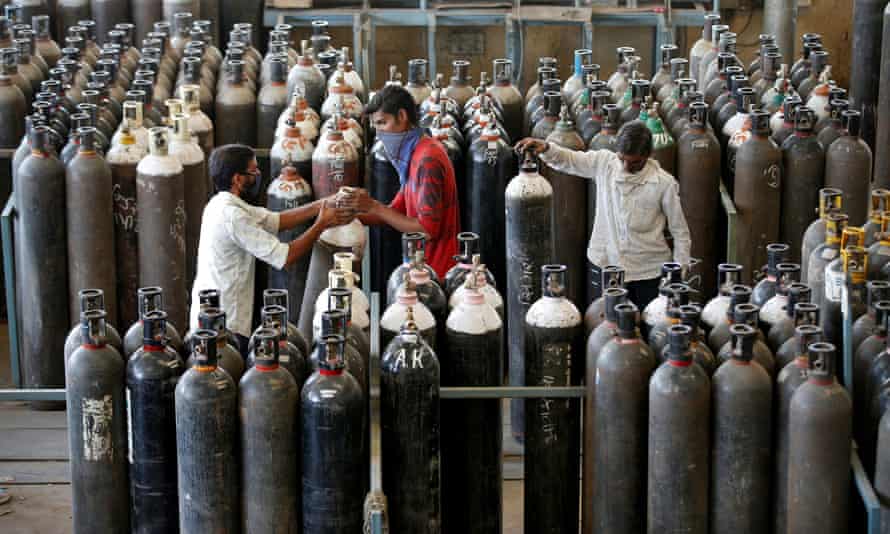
[[506, 392]]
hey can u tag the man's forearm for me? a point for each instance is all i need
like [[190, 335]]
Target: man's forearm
[[302, 245], [399, 221], [293, 217]]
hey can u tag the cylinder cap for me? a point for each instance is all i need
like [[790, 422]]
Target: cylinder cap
[[743, 337], [626, 314], [154, 329], [822, 361], [204, 348], [612, 297]]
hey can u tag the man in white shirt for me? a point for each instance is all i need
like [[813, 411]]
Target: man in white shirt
[[636, 201], [234, 232]]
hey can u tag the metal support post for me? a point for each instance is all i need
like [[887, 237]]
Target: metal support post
[[6, 226], [431, 44]]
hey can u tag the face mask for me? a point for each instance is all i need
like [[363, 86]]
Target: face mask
[[399, 147], [252, 194]]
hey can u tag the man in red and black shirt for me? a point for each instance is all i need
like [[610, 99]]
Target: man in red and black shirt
[[427, 201]]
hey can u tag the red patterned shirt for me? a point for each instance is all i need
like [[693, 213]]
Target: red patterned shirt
[[430, 196]]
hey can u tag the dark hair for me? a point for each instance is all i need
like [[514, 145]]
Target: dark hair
[[227, 161], [390, 100], [634, 139]]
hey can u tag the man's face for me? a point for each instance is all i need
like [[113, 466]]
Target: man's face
[[633, 164], [389, 123], [249, 176]]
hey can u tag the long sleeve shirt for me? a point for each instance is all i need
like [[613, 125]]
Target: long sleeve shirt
[[632, 212], [233, 233], [430, 196]]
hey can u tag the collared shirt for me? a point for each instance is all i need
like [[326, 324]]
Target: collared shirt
[[632, 212], [233, 233]]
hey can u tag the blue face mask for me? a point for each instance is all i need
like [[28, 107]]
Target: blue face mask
[[399, 147]]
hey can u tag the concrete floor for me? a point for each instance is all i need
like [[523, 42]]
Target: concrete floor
[[34, 467]]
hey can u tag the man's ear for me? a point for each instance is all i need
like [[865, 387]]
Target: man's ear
[[402, 116]]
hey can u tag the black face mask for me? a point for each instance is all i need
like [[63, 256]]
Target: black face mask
[[251, 193]]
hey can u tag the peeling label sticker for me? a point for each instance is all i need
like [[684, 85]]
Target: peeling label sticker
[[97, 419]]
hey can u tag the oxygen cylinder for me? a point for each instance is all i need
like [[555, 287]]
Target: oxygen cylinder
[[333, 322], [663, 75], [339, 297], [459, 88], [270, 454], [605, 331], [335, 163], [758, 182], [508, 97], [805, 313], [409, 407], [343, 277], [273, 316], [13, 108], [489, 293], [307, 78], [149, 299], [656, 311], [834, 124], [843, 275], [875, 291], [292, 149], [553, 337], [783, 328], [569, 204], [698, 173], [207, 428], [881, 482], [383, 185], [474, 334], [91, 299], [819, 477], [418, 85], [347, 238], [679, 400], [728, 275], [617, 451], [676, 295], [529, 211], [289, 190], [747, 314], [210, 298], [412, 242], [235, 111], [97, 436], [490, 165], [848, 164], [145, 13], [429, 293], [194, 173], [690, 315], [469, 245], [271, 101], [198, 121], [803, 159], [612, 276], [742, 440], [773, 309], [879, 203], [719, 335], [829, 200], [152, 374], [827, 251], [703, 45], [160, 202], [107, 13], [90, 224], [228, 358], [792, 375], [879, 250], [333, 414], [867, 352], [39, 190], [281, 297], [394, 316]]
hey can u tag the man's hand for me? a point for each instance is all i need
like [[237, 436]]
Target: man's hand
[[360, 201], [329, 215], [536, 146]]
